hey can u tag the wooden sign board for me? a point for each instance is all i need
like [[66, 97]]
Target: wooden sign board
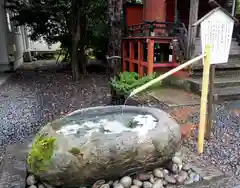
[[216, 37], [216, 30]]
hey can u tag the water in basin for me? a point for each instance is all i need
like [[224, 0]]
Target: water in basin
[[107, 124]]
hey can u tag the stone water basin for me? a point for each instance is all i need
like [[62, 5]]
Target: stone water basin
[[103, 143]]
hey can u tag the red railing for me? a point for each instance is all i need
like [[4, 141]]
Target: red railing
[[139, 46], [135, 56]]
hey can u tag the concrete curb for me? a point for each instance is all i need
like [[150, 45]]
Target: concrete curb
[[3, 78]]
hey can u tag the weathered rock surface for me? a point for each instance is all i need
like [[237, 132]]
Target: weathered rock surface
[[69, 152]]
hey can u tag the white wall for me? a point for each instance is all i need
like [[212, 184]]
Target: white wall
[[3, 36], [16, 47], [41, 45], [20, 48], [11, 42], [16, 42], [27, 39]]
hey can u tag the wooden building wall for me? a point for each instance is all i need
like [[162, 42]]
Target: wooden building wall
[[183, 7], [170, 10], [154, 10], [133, 13]]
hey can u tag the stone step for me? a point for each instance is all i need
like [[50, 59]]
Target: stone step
[[234, 57], [233, 63], [225, 88], [227, 93], [218, 73], [234, 49], [227, 76], [219, 82]]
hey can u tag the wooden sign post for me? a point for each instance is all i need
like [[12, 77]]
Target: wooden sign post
[[211, 103], [216, 37], [204, 98]]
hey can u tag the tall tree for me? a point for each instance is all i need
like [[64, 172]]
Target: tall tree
[[74, 23]]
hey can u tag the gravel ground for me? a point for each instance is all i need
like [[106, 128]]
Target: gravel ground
[[223, 149], [30, 99]]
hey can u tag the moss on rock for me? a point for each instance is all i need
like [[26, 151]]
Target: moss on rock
[[39, 157], [74, 151]]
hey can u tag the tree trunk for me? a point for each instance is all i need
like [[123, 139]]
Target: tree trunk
[[75, 39], [74, 61], [66, 56], [82, 59], [115, 39], [82, 44]]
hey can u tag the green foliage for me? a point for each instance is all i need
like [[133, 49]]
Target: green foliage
[[52, 20], [41, 153], [238, 7], [98, 29], [125, 82], [48, 18]]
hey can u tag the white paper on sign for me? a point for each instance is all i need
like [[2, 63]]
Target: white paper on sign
[[217, 30]]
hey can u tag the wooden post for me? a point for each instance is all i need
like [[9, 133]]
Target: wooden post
[[192, 31], [204, 98], [140, 58], [176, 11], [174, 60], [131, 56], [150, 56], [124, 66], [211, 103]]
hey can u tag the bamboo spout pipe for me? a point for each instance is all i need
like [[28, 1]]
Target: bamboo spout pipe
[[165, 75]]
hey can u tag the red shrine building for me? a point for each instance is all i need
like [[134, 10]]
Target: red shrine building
[[158, 34]]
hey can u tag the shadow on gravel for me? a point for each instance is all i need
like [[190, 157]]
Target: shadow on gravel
[[31, 98]]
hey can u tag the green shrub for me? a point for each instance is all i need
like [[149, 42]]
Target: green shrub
[[125, 82]]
